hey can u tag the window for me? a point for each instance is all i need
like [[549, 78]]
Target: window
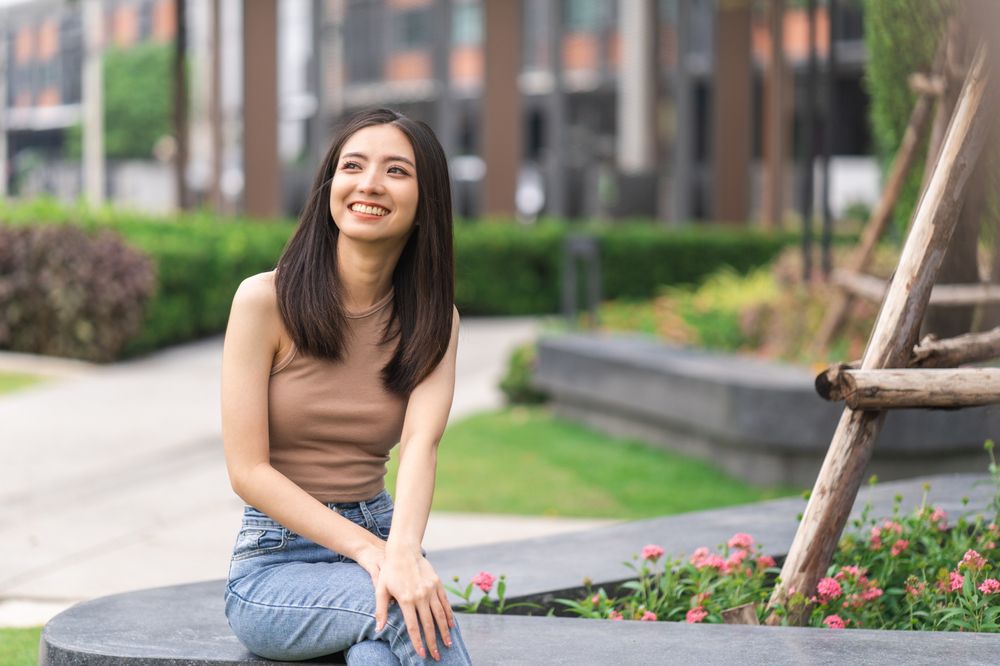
[[467, 24], [413, 29]]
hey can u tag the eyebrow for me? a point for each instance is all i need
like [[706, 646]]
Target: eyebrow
[[387, 158]]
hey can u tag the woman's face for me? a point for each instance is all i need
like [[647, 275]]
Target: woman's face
[[374, 192]]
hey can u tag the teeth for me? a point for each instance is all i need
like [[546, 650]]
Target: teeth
[[369, 210]]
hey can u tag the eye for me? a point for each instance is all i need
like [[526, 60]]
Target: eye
[[350, 165], [399, 170]]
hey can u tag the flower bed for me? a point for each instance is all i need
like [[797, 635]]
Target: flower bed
[[914, 571]]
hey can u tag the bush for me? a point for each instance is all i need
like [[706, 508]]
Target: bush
[[64, 292], [517, 383], [501, 269], [508, 269]]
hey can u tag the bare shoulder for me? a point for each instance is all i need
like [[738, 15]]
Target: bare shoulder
[[256, 303]]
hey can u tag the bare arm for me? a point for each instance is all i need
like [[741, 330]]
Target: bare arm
[[250, 343], [406, 574]]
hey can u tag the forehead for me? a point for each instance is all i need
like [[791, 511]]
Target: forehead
[[378, 141]]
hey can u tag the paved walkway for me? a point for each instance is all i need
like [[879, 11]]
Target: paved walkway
[[113, 477]]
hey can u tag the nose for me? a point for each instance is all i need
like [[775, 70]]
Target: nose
[[371, 182]]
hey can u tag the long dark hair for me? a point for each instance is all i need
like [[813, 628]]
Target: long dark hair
[[310, 295]]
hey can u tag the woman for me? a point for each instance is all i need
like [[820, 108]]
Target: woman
[[346, 348]]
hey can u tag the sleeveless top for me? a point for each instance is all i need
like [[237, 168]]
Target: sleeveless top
[[331, 423]]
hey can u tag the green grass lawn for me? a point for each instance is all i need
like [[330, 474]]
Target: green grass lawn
[[19, 647], [522, 460], [11, 381]]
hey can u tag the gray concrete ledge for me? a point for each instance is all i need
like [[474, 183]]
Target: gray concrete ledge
[[185, 625], [759, 421]]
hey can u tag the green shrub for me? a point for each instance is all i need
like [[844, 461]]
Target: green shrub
[[901, 37], [508, 269], [517, 384], [501, 268], [64, 292]]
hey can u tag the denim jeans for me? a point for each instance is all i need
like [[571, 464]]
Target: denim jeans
[[289, 599]]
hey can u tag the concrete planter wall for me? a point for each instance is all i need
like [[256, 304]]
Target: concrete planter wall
[[759, 421]]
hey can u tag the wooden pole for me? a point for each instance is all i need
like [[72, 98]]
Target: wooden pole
[[891, 342], [899, 389], [943, 295]]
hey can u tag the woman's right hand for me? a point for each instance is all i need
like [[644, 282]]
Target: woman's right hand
[[370, 558]]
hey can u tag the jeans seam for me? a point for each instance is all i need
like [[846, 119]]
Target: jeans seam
[[306, 608]]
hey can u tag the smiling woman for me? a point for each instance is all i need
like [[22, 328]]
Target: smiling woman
[[345, 349]]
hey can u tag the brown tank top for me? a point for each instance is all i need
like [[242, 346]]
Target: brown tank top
[[332, 423]]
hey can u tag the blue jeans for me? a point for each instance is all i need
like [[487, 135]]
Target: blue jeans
[[289, 599]]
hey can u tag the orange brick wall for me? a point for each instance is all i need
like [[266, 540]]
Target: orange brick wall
[[408, 66], [466, 64], [125, 26]]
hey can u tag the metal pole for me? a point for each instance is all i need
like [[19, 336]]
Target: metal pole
[[808, 149], [828, 135], [555, 115], [93, 103], [3, 103]]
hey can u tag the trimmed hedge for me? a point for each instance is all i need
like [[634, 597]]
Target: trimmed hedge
[[502, 268], [509, 269]]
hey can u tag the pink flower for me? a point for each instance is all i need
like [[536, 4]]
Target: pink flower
[[652, 552], [990, 586], [484, 581], [648, 616], [828, 589], [696, 615], [956, 581], [850, 570], [713, 562], [899, 547], [871, 594], [596, 599], [972, 560], [698, 555], [740, 540], [939, 517], [766, 562], [615, 615], [916, 590], [833, 622], [736, 558]]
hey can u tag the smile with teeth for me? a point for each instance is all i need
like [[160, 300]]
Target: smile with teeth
[[368, 210]]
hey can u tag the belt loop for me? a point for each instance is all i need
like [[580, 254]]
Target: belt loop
[[369, 520]]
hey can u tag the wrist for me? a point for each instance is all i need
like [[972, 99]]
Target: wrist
[[402, 547]]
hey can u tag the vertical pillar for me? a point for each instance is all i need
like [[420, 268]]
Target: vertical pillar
[[445, 116], [260, 108], [776, 122], [93, 103], [732, 105], [181, 104], [637, 143], [3, 103], [501, 105], [682, 144], [215, 106], [316, 134], [808, 147], [555, 115]]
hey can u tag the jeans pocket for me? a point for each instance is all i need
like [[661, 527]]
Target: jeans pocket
[[254, 541], [382, 522]]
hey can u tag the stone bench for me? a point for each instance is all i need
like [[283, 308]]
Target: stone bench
[[185, 624], [758, 420]]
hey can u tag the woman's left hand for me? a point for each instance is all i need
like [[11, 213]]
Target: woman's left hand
[[409, 578]]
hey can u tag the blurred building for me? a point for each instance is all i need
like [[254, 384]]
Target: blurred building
[[427, 58]]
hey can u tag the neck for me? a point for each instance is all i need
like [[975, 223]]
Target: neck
[[365, 272]]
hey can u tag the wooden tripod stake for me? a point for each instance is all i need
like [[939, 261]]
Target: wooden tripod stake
[[891, 342]]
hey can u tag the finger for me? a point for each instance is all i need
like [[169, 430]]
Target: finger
[[441, 618], [381, 606], [413, 628], [446, 605], [427, 622]]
